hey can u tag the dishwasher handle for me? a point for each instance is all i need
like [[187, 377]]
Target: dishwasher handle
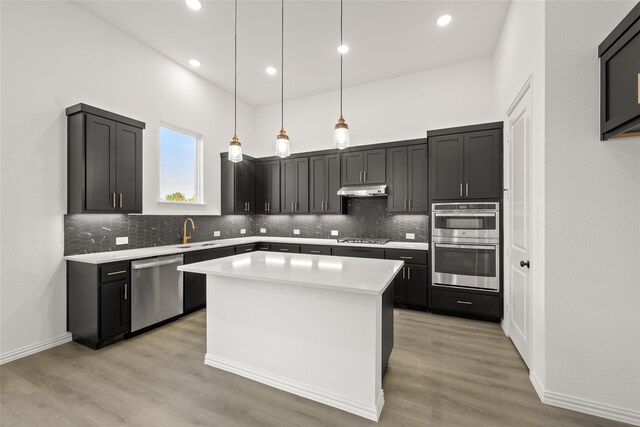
[[140, 266]]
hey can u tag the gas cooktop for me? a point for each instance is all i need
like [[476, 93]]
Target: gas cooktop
[[361, 240]]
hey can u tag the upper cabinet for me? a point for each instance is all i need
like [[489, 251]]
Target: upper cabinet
[[268, 187], [364, 167], [238, 186], [620, 79], [104, 161], [324, 183], [407, 179], [466, 164], [294, 185]]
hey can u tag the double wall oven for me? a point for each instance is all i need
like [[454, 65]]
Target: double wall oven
[[466, 245]]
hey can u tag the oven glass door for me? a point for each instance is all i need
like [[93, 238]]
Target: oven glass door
[[466, 265], [482, 225]]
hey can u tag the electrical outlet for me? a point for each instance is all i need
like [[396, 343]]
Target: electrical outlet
[[243, 231], [411, 236], [263, 230], [122, 240], [216, 233], [296, 231], [334, 232]]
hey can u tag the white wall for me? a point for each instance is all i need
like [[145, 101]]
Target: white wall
[[592, 220], [388, 110], [55, 54], [519, 55]]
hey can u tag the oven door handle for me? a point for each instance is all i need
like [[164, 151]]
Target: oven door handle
[[445, 245], [464, 214]]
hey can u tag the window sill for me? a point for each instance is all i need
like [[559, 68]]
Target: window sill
[[167, 202]]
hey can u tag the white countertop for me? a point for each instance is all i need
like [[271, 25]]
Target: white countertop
[[357, 275], [129, 254]]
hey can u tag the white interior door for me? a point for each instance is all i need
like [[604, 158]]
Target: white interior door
[[518, 292]]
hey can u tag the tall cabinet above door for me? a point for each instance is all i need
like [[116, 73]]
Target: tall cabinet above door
[[104, 161], [407, 179], [466, 163]]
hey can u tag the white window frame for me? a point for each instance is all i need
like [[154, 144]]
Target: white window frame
[[199, 159]]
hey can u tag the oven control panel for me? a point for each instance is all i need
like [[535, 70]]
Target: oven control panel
[[465, 206]]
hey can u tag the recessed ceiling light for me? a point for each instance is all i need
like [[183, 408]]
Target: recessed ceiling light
[[194, 4], [343, 48], [444, 20], [271, 70], [194, 63]]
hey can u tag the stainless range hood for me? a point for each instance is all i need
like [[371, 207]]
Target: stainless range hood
[[363, 191]]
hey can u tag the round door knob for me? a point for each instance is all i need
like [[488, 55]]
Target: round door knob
[[525, 264]]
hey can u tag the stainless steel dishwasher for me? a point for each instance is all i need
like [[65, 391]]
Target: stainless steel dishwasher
[[156, 290]]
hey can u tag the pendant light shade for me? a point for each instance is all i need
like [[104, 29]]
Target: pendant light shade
[[341, 135], [282, 140], [235, 148]]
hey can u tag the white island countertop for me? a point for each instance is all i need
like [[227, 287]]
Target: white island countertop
[[356, 275], [129, 254]]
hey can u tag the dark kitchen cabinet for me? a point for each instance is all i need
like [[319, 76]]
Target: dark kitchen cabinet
[[407, 179], [315, 249], [466, 165], [294, 185], [364, 167], [350, 251], [249, 247], [466, 303], [195, 284], [268, 187], [285, 247], [238, 186], [411, 283], [98, 302], [324, 183], [620, 79], [104, 161]]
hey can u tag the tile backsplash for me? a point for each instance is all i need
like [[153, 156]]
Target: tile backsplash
[[367, 217]]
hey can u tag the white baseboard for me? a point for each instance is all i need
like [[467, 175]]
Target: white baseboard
[[34, 348], [583, 405], [370, 412]]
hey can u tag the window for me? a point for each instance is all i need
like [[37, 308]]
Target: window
[[180, 166]]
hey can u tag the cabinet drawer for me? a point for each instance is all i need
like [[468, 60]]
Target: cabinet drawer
[[357, 252], [264, 246], [246, 248], [408, 256], [285, 247], [316, 250], [114, 272], [464, 302]]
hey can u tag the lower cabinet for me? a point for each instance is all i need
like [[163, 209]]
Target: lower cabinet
[[98, 302], [315, 249], [285, 247], [475, 303], [250, 247], [411, 283], [357, 252], [195, 285]]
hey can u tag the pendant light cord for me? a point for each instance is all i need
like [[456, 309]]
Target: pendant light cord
[[341, 54], [235, 72], [282, 70]]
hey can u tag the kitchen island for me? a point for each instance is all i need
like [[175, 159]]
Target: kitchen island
[[316, 326]]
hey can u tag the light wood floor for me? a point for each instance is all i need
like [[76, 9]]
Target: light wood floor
[[444, 371]]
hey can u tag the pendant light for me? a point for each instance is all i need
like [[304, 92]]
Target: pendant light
[[341, 136], [282, 140], [235, 148]]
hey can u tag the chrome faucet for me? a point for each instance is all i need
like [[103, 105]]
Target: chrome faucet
[[185, 238]]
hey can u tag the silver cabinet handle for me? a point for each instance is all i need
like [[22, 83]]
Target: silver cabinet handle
[[314, 252], [284, 250], [406, 257], [465, 302], [114, 200], [405, 204], [126, 292], [460, 189], [409, 204], [113, 273], [365, 176], [360, 176], [467, 189], [403, 268], [121, 200], [408, 273]]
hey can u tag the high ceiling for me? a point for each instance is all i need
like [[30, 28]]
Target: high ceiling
[[386, 39]]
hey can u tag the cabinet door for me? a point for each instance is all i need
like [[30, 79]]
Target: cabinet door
[[274, 187], [287, 186], [483, 165], [446, 166], [333, 202], [114, 309], [400, 287], [240, 187], [374, 167], [350, 251], [302, 185], [195, 285], [397, 179], [128, 168], [263, 186], [250, 185], [416, 285], [100, 152], [317, 183], [352, 168], [417, 179]]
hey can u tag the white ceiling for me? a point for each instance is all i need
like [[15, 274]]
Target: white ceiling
[[387, 39]]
